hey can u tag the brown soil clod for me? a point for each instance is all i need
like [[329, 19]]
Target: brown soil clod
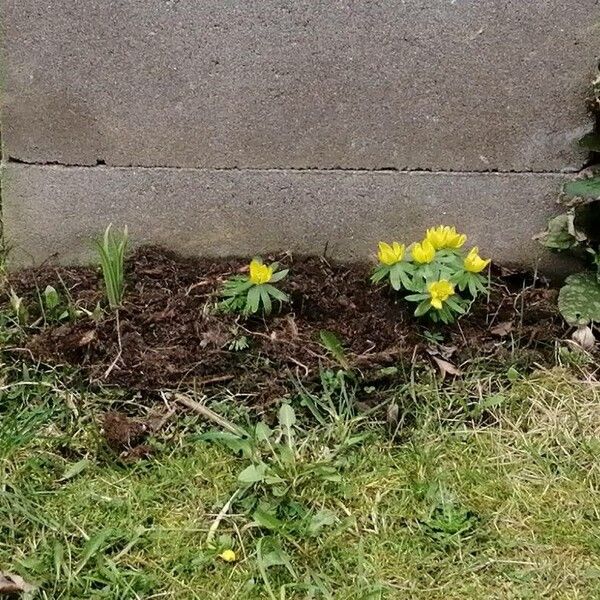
[[122, 433]]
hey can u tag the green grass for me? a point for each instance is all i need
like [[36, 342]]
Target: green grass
[[490, 490]]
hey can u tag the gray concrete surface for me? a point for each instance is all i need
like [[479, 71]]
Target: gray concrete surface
[[53, 212], [466, 85], [244, 127]]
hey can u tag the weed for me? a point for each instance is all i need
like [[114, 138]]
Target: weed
[[238, 342], [111, 251], [19, 308], [502, 504], [334, 346]]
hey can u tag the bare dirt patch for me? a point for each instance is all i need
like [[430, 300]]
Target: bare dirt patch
[[168, 335]]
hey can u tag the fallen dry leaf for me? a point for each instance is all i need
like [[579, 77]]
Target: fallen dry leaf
[[392, 414], [11, 585], [502, 329], [441, 350], [447, 368], [584, 337], [87, 338]]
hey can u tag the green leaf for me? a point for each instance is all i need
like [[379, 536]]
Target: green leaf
[[279, 275], [274, 559], [416, 297], [267, 519], [381, 272], [591, 141], [329, 473], [91, 548], [405, 278], [473, 289], [253, 299], [111, 251], [488, 402], [287, 420], [262, 431], [333, 344], [51, 298], [275, 293], [512, 374], [455, 306], [286, 453], [558, 234], [266, 300], [274, 480], [59, 559], [579, 299], [19, 308], [587, 188], [422, 308], [253, 474], [75, 469], [395, 278], [229, 440], [264, 560], [287, 416], [320, 519]]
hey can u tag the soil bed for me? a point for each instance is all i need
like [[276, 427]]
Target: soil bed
[[168, 335]]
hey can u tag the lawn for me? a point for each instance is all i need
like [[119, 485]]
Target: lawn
[[164, 445], [485, 486]]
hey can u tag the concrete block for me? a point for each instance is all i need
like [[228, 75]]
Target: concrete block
[[449, 85], [53, 212]]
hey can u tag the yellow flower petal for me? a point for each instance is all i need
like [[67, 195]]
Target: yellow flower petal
[[436, 236], [456, 240], [436, 303], [445, 237], [228, 555], [424, 252], [390, 254], [260, 273], [440, 291], [474, 263]]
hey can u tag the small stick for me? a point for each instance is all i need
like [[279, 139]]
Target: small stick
[[222, 513], [164, 419], [302, 365], [114, 362], [215, 379], [208, 413]]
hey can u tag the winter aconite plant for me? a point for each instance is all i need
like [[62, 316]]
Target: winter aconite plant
[[254, 292], [111, 250], [435, 272]]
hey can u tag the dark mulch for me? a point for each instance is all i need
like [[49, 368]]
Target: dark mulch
[[168, 335]]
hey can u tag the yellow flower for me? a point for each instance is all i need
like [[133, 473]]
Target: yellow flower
[[440, 291], [445, 237], [390, 255], [424, 252], [228, 555], [260, 273], [474, 263]]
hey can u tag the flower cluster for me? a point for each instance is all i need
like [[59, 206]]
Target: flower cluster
[[435, 272]]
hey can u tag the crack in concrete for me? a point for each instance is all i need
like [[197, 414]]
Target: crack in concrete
[[101, 164]]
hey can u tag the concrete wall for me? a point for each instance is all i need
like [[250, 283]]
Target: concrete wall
[[222, 127]]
